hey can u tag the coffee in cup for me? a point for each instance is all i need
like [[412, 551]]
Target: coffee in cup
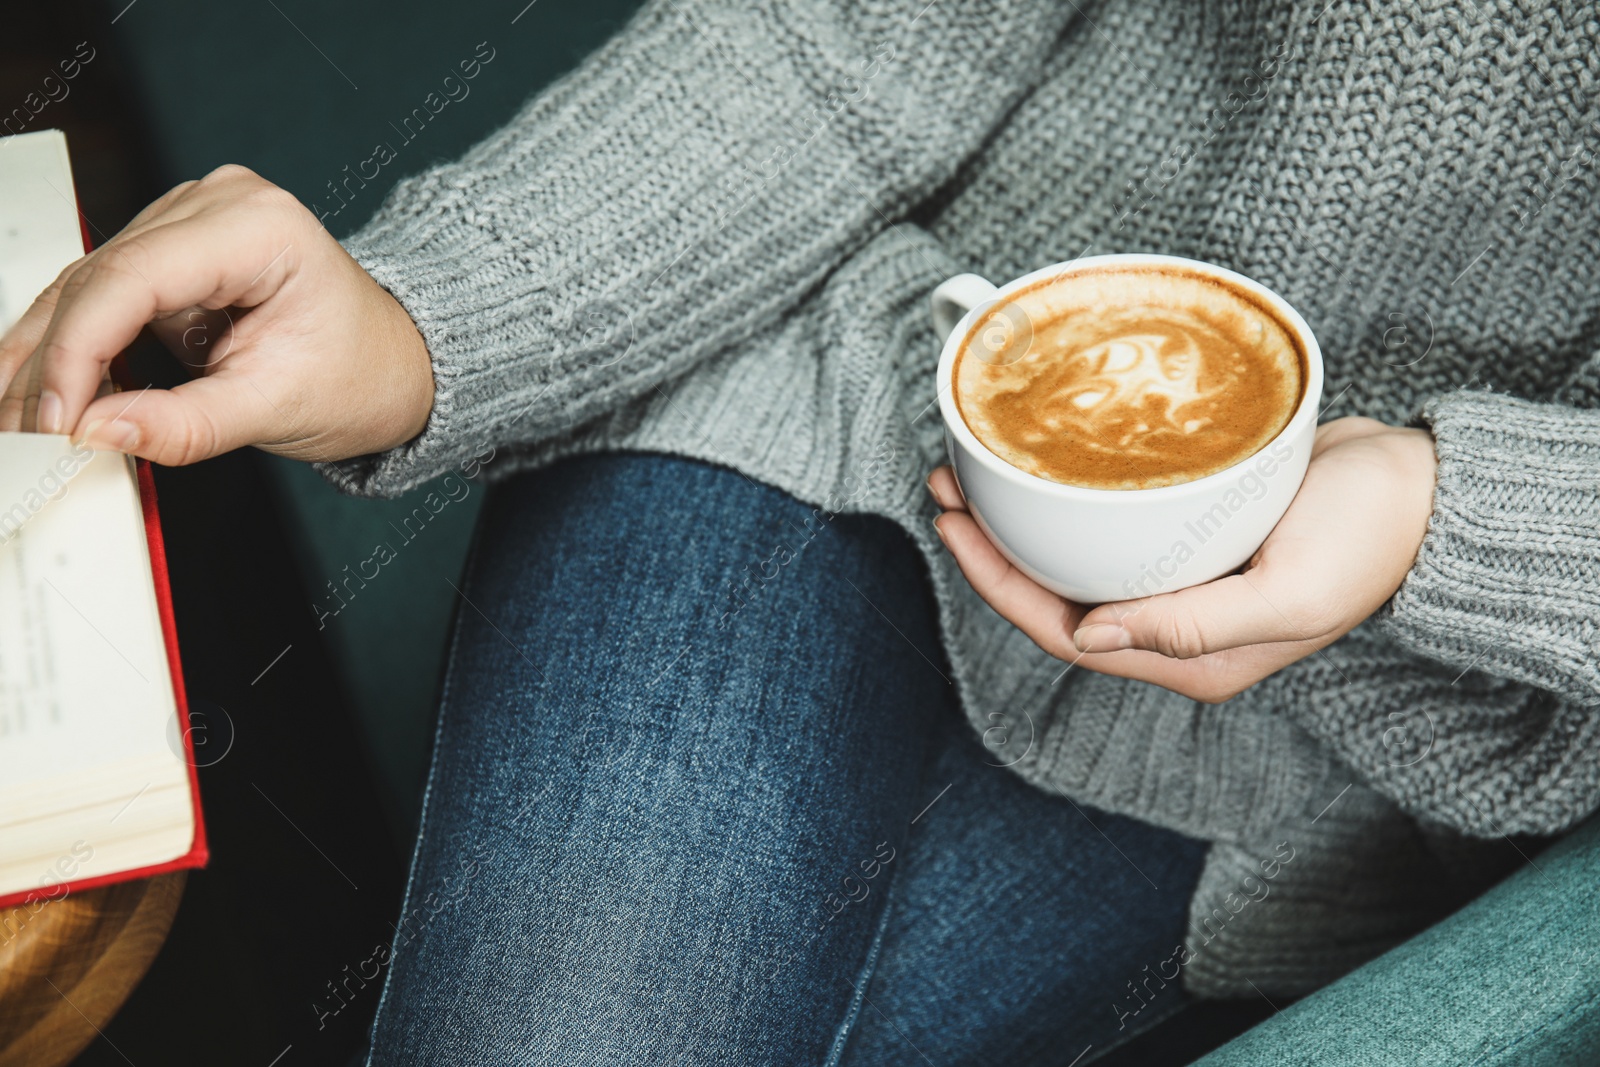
[[1125, 425], [1128, 376]]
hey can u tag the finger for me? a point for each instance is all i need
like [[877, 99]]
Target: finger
[[157, 208], [103, 306], [174, 427], [19, 342], [946, 492], [1042, 615], [1211, 679], [1228, 613], [18, 402], [19, 407]]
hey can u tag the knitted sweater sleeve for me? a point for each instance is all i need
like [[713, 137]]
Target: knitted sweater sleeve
[[1508, 578], [677, 193]]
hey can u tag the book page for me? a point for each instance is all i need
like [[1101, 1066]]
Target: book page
[[92, 764], [39, 231], [83, 671]]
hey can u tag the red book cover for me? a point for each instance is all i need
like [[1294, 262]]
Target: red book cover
[[198, 853]]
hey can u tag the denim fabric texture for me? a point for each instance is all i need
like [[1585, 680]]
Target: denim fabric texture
[[702, 793]]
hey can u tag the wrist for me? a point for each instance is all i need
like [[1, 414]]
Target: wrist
[[1417, 468], [414, 366], [406, 369]]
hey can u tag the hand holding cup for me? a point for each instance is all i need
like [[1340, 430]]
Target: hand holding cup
[[1140, 432]]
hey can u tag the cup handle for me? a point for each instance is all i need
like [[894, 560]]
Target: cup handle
[[955, 297]]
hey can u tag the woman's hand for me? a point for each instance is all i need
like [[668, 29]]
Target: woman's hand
[[1341, 550], [294, 347]]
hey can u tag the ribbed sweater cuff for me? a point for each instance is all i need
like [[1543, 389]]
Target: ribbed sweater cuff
[[432, 289], [1508, 578]]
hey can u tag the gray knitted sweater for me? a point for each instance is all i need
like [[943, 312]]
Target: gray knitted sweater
[[717, 238]]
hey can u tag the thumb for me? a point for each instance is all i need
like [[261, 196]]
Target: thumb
[[186, 424], [1228, 613]]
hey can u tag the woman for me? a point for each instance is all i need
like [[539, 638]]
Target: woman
[[698, 792]]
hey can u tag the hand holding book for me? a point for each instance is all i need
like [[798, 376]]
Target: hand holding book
[[294, 348], [97, 776]]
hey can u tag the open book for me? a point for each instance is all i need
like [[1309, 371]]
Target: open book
[[97, 779]]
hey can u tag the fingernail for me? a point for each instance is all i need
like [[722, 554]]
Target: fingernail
[[936, 528], [113, 436], [1102, 637], [49, 412]]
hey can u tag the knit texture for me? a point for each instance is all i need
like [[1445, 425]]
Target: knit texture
[[717, 239]]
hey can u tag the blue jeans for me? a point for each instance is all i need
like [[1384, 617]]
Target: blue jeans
[[701, 793]]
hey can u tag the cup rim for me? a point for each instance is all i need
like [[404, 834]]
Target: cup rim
[[1307, 410]]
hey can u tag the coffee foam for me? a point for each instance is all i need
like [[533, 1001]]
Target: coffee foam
[[1128, 378]]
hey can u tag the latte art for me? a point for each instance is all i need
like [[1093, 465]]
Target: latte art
[[1127, 379], [1128, 388]]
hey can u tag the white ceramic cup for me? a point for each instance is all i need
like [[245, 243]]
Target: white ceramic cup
[[1099, 545]]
